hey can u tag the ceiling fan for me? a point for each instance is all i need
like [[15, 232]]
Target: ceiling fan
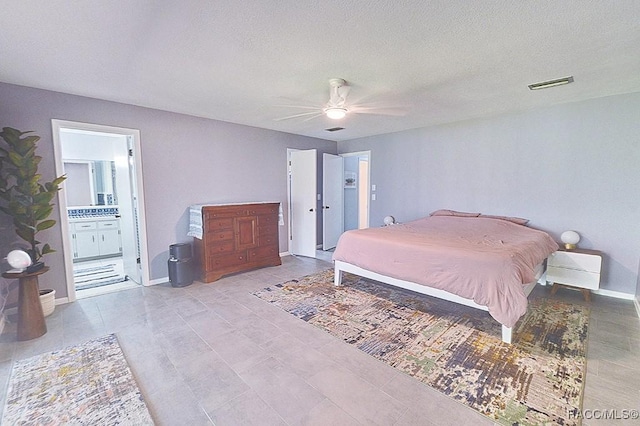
[[337, 107]]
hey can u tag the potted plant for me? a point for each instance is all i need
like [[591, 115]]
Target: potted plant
[[22, 195]]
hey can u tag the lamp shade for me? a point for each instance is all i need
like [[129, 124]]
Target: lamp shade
[[19, 259], [570, 239]]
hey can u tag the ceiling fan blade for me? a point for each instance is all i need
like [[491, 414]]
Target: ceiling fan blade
[[314, 116], [298, 106], [303, 114], [397, 112]]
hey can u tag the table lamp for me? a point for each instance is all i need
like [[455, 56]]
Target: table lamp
[[570, 239], [19, 260]]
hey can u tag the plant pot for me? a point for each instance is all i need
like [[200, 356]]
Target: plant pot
[[48, 301]]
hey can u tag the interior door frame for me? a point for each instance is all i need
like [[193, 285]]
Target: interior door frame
[[360, 154], [57, 125]]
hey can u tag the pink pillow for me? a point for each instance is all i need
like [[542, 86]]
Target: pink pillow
[[518, 220], [453, 213]]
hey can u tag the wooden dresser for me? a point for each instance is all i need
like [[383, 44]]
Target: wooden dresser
[[237, 237]]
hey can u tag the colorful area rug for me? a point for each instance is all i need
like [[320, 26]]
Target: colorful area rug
[[88, 384], [453, 348]]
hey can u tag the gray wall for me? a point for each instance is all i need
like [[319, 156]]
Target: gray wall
[[574, 166], [185, 160]]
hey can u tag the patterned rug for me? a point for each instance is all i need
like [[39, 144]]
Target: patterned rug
[[88, 384], [97, 276], [453, 348]]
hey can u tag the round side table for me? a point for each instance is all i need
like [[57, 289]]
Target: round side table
[[31, 322]]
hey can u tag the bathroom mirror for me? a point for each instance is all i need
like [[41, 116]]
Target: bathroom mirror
[[90, 183]]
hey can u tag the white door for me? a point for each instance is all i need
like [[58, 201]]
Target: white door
[[303, 204], [332, 200]]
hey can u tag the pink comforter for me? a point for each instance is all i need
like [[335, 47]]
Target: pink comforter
[[486, 260]]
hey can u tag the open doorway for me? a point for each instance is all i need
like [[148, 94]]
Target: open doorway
[[346, 192], [357, 172], [101, 208]]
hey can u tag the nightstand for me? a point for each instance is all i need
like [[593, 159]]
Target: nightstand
[[578, 268]]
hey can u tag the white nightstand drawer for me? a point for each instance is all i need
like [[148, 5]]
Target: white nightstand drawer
[[573, 277], [575, 260]]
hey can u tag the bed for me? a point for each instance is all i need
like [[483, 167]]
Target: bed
[[486, 262]]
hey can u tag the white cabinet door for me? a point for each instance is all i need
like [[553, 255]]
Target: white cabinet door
[[109, 242], [87, 244]]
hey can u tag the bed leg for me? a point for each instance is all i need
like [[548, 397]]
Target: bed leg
[[506, 334], [337, 279]]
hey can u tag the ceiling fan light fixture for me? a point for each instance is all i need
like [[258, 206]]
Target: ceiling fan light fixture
[[335, 113]]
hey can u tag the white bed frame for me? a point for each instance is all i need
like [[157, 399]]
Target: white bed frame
[[341, 267]]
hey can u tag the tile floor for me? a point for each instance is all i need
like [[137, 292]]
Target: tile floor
[[214, 354]]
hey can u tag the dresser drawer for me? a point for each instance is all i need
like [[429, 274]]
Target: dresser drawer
[[576, 261], [268, 220], [224, 261], [215, 237], [221, 247], [268, 230], [573, 277], [217, 224], [265, 240], [263, 252]]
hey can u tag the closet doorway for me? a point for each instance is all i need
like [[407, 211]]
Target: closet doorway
[[101, 208]]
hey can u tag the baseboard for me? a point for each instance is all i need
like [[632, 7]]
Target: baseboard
[[62, 301], [159, 281], [614, 294], [636, 301], [2, 322], [284, 253]]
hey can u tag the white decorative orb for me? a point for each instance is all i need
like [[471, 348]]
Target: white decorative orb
[[570, 239], [18, 259], [389, 220]]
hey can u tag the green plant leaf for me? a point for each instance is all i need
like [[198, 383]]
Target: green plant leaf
[[16, 159], [25, 235], [43, 197], [43, 212], [46, 224], [46, 249], [57, 181]]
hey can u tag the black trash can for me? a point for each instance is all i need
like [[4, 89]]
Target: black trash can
[[180, 264]]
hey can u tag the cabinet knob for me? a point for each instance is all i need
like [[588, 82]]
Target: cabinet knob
[[310, 210]]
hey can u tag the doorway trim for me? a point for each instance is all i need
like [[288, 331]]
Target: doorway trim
[[368, 191], [56, 126]]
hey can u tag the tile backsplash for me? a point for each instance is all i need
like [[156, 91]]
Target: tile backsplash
[[85, 212]]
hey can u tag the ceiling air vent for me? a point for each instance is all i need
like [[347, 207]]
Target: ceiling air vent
[[334, 129], [551, 83]]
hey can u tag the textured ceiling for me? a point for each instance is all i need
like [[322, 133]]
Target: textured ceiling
[[240, 61]]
